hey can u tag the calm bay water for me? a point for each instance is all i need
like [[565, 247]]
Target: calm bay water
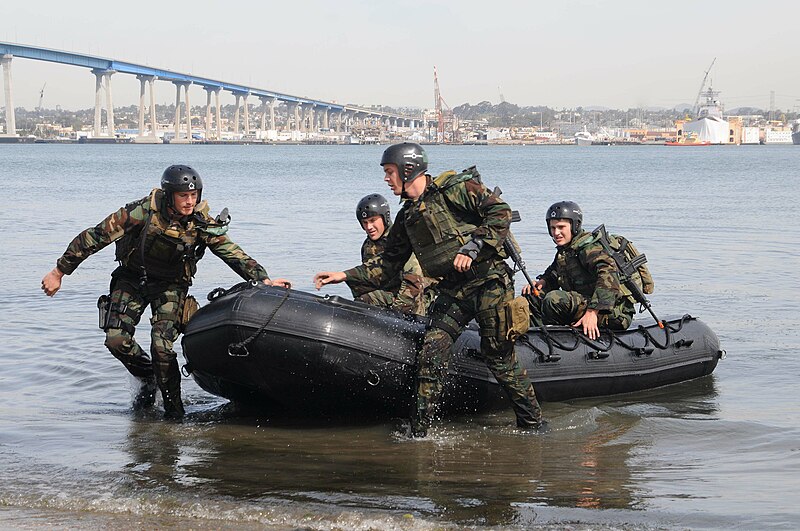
[[717, 224]]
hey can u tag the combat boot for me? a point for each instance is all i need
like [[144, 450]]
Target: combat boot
[[529, 413], [173, 404], [146, 397]]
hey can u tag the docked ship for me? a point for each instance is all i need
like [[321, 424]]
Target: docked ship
[[710, 126], [584, 138]]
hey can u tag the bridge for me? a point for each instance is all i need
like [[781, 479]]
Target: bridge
[[304, 114]]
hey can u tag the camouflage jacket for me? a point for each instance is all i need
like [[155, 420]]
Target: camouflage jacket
[[468, 202], [583, 266], [126, 225], [405, 292]]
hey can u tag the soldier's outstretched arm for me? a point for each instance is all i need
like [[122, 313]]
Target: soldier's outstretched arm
[[92, 240]]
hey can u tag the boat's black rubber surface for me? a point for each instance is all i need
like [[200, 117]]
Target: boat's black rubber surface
[[293, 351]]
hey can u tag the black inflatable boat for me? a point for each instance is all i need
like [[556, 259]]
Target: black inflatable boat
[[286, 350]]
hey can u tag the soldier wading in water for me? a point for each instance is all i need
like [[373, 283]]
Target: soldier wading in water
[[159, 240], [455, 226]]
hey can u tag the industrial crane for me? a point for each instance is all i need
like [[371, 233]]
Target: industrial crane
[[444, 115], [702, 86]]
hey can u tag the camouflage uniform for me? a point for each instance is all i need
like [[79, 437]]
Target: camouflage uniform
[[406, 293], [169, 252], [588, 279], [454, 209]]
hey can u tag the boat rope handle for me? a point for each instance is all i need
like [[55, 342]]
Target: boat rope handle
[[240, 349]]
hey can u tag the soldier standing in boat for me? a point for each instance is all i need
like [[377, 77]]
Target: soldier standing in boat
[[159, 240], [410, 291], [456, 227], [581, 286]]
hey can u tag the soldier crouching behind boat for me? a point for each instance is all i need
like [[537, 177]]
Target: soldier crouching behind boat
[[456, 227], [408, 292], [581, 286], [159, 240]]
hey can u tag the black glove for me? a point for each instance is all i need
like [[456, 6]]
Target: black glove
[[472, 248]]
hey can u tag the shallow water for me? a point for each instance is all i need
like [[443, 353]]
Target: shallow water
[[717, 225]]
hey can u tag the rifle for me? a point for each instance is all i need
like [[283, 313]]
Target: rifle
[[627, 268], [512, 247]]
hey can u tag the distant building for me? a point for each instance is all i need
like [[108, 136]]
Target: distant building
[[750, 135], [778, 136]]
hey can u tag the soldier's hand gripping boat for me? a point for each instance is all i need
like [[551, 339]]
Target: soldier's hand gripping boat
[[291, 351]]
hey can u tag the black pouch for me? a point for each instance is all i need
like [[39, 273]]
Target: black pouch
[[104, 311]]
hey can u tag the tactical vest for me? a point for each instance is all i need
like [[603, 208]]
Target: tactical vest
[[162, 249], [572, 275], [436, 231], [371, 249]]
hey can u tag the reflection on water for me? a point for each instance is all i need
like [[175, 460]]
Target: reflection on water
[[470, 471]]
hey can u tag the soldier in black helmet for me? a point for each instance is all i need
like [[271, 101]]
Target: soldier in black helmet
[[455, 227], [582, 285], [406, 292], [159, 240]]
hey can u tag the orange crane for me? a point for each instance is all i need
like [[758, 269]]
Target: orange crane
[[445, 130]]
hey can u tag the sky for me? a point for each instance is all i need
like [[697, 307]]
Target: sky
[[561, 54]]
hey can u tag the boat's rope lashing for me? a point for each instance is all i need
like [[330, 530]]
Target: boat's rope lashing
[[599, 348], [240, 349]]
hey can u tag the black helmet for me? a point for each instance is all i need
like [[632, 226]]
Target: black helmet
[[179, 178], [410, 159], [374, 205], [565, 210]]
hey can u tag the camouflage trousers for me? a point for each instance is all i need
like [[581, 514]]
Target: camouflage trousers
[[566, 307], [485, 301], [379, 297], [412, 299], [128, 302]]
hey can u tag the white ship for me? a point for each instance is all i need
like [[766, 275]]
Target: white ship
[[709, 126], [584, 138]]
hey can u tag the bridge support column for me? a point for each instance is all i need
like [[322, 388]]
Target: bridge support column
[[100, 76], [325, 124], [246, 115], [153, 121], [236, 114], [272, 105], [218, 112], [296, 116], [188, 114], [109, 105], [208, 90], [177, 125], [143, 81], [11, 123], [264, 105], [339, 122], [312, 119], [98, 101]]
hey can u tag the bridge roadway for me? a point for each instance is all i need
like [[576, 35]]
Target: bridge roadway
[[303, 108]]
